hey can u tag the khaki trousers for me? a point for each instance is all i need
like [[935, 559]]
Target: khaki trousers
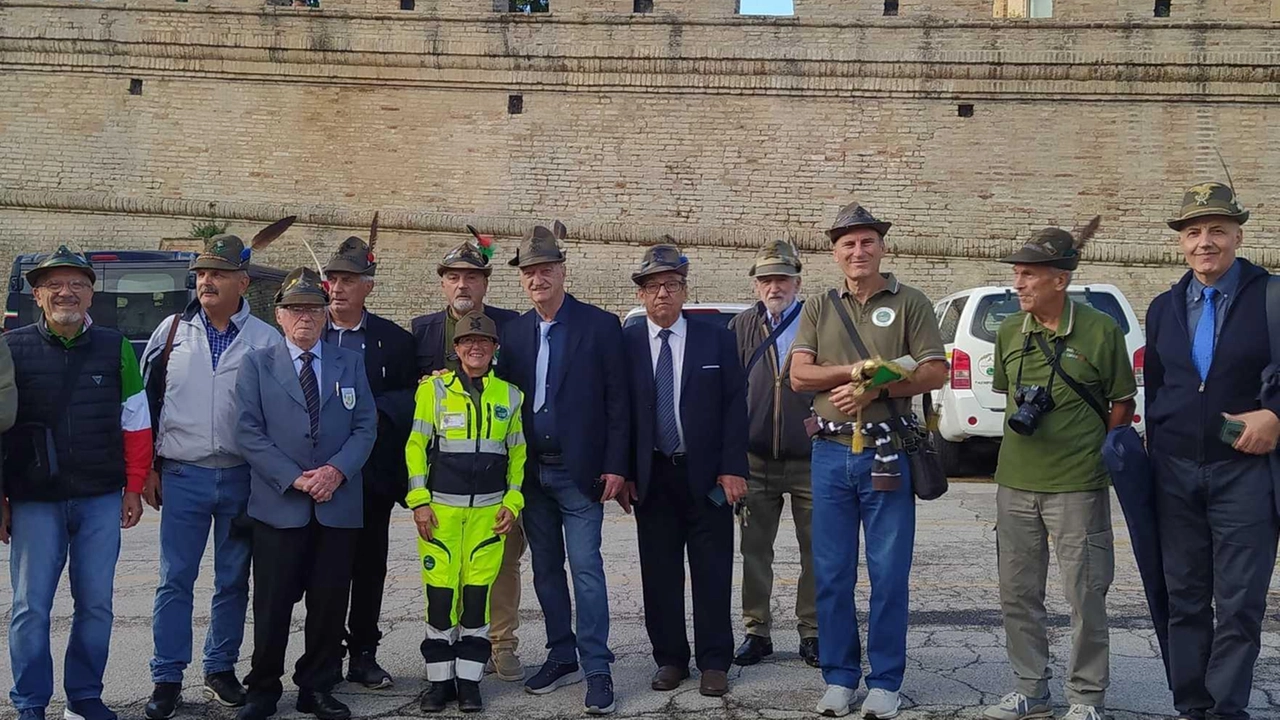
[[1079, 524], [770, 480], [504, 597]]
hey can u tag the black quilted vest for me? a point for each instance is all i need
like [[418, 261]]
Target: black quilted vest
[[88, 437]]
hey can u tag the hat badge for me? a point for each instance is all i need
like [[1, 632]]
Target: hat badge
[[476, 324], [1203, 193]]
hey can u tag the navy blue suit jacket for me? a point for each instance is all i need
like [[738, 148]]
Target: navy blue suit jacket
[[713, 406], [428, 334], [592, 401], [393, 379]]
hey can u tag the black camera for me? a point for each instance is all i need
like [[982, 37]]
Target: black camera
[[1033, 402]]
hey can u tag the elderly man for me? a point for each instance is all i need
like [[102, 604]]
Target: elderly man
[[464, 279], [388, 352], [779, 451], [893, 321], [566, 356], [1209, 438], [690, 421], [190, 364], [307, 424], [63, 483], [1065, 369], [465, 493]]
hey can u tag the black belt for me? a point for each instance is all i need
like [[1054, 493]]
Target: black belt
[[677, 460], [550, 459]]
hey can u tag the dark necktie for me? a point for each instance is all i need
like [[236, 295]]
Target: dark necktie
[[664, 381], [311, 392]]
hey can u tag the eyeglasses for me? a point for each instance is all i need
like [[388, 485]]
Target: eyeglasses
[[302, 310], [75, 286], [671, 286], [472, 340]]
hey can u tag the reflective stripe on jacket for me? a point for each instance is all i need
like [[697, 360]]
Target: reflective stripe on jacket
[[461, 455]]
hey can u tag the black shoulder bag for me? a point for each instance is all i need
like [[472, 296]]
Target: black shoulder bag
[[928, 479]]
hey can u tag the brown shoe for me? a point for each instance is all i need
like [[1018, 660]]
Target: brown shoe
[[714, 683], [668, 677]]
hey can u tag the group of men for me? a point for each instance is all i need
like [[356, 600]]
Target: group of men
[[501, 429]]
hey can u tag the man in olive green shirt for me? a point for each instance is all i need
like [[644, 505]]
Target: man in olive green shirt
[[893, 320], [1053, 484]]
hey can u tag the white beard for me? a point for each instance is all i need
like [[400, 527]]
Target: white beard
[[463, 306]]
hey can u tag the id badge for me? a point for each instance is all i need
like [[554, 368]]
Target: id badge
[[453, 421]]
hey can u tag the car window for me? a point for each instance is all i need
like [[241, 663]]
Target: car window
[[993, 309], [135, 300], [949, 319]]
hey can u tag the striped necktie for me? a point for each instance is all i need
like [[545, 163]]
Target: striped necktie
[[311, 392], [664, 381]]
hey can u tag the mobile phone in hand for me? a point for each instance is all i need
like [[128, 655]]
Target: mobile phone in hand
[[1231, 431]]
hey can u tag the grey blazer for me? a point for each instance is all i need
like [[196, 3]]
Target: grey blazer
[[273, 435]]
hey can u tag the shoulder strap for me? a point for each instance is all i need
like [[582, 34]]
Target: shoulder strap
[[1273, 315], [771, 339], [1071, 382], [160, 377]]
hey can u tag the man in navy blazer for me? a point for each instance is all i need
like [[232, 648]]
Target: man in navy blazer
[[690, 417], [306, 426], [388, 353], [566, 356], [464, 278]]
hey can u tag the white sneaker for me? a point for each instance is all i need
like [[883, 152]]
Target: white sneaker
[[1016, 706], [835, 703], [1083, 712], [881, 704]]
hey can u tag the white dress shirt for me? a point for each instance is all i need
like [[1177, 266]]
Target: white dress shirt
[[295, 352], [679, 331]]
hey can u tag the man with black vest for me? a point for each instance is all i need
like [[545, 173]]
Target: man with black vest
[[1209, 438], [63, 480], [779, 450], [464, 279], [393, 377]]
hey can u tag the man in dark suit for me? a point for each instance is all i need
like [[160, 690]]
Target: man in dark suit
[[464, 278], [388, 352], [566, 356], [690, 418], [307, 426]]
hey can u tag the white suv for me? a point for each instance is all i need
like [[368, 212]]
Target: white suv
[[971, 410]]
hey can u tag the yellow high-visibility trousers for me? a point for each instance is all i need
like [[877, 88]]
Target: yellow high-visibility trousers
[[459, 565]]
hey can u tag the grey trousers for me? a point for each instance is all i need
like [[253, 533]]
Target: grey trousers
[[1218, 538], [1080, 525], [770, 480]]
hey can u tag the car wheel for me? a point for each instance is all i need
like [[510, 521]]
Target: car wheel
[[951, 455]]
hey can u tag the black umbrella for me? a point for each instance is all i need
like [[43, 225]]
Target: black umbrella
[[1126, 459]]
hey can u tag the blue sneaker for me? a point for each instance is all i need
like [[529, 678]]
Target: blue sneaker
[[600, 695], [89, 709], [31, 714], [553, 675]]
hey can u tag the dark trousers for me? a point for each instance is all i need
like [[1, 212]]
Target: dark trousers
[[1218, 537], [312, 562], [669, 522], [369, 575]]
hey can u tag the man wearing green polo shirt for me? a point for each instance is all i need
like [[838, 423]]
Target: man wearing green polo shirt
[[1052, 481]]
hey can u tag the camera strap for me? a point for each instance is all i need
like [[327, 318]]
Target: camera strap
[[1056, 363], [772, 339], [895, 414]]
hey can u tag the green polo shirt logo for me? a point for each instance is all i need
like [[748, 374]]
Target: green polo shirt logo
[[883, 317]]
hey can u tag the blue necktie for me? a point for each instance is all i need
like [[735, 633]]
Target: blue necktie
[[544, 364], [664, 381], [1202, 344]]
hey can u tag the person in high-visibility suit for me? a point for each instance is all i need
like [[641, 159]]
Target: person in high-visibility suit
[[466, 456]]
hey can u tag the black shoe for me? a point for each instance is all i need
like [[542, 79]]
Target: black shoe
[[809, 651], [364, 669], [164, 702], [438, 696], [469, 696], [752, 650], [322, 704], [256, 710], [224, 689]]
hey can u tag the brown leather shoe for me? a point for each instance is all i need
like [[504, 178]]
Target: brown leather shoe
[[714, 683], [668, 677]]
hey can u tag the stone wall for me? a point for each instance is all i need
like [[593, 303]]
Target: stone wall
[[123, 122]]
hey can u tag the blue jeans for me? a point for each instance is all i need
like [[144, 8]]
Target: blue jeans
[[194, 499], [843, 497], [45, 534], [557, 516]]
